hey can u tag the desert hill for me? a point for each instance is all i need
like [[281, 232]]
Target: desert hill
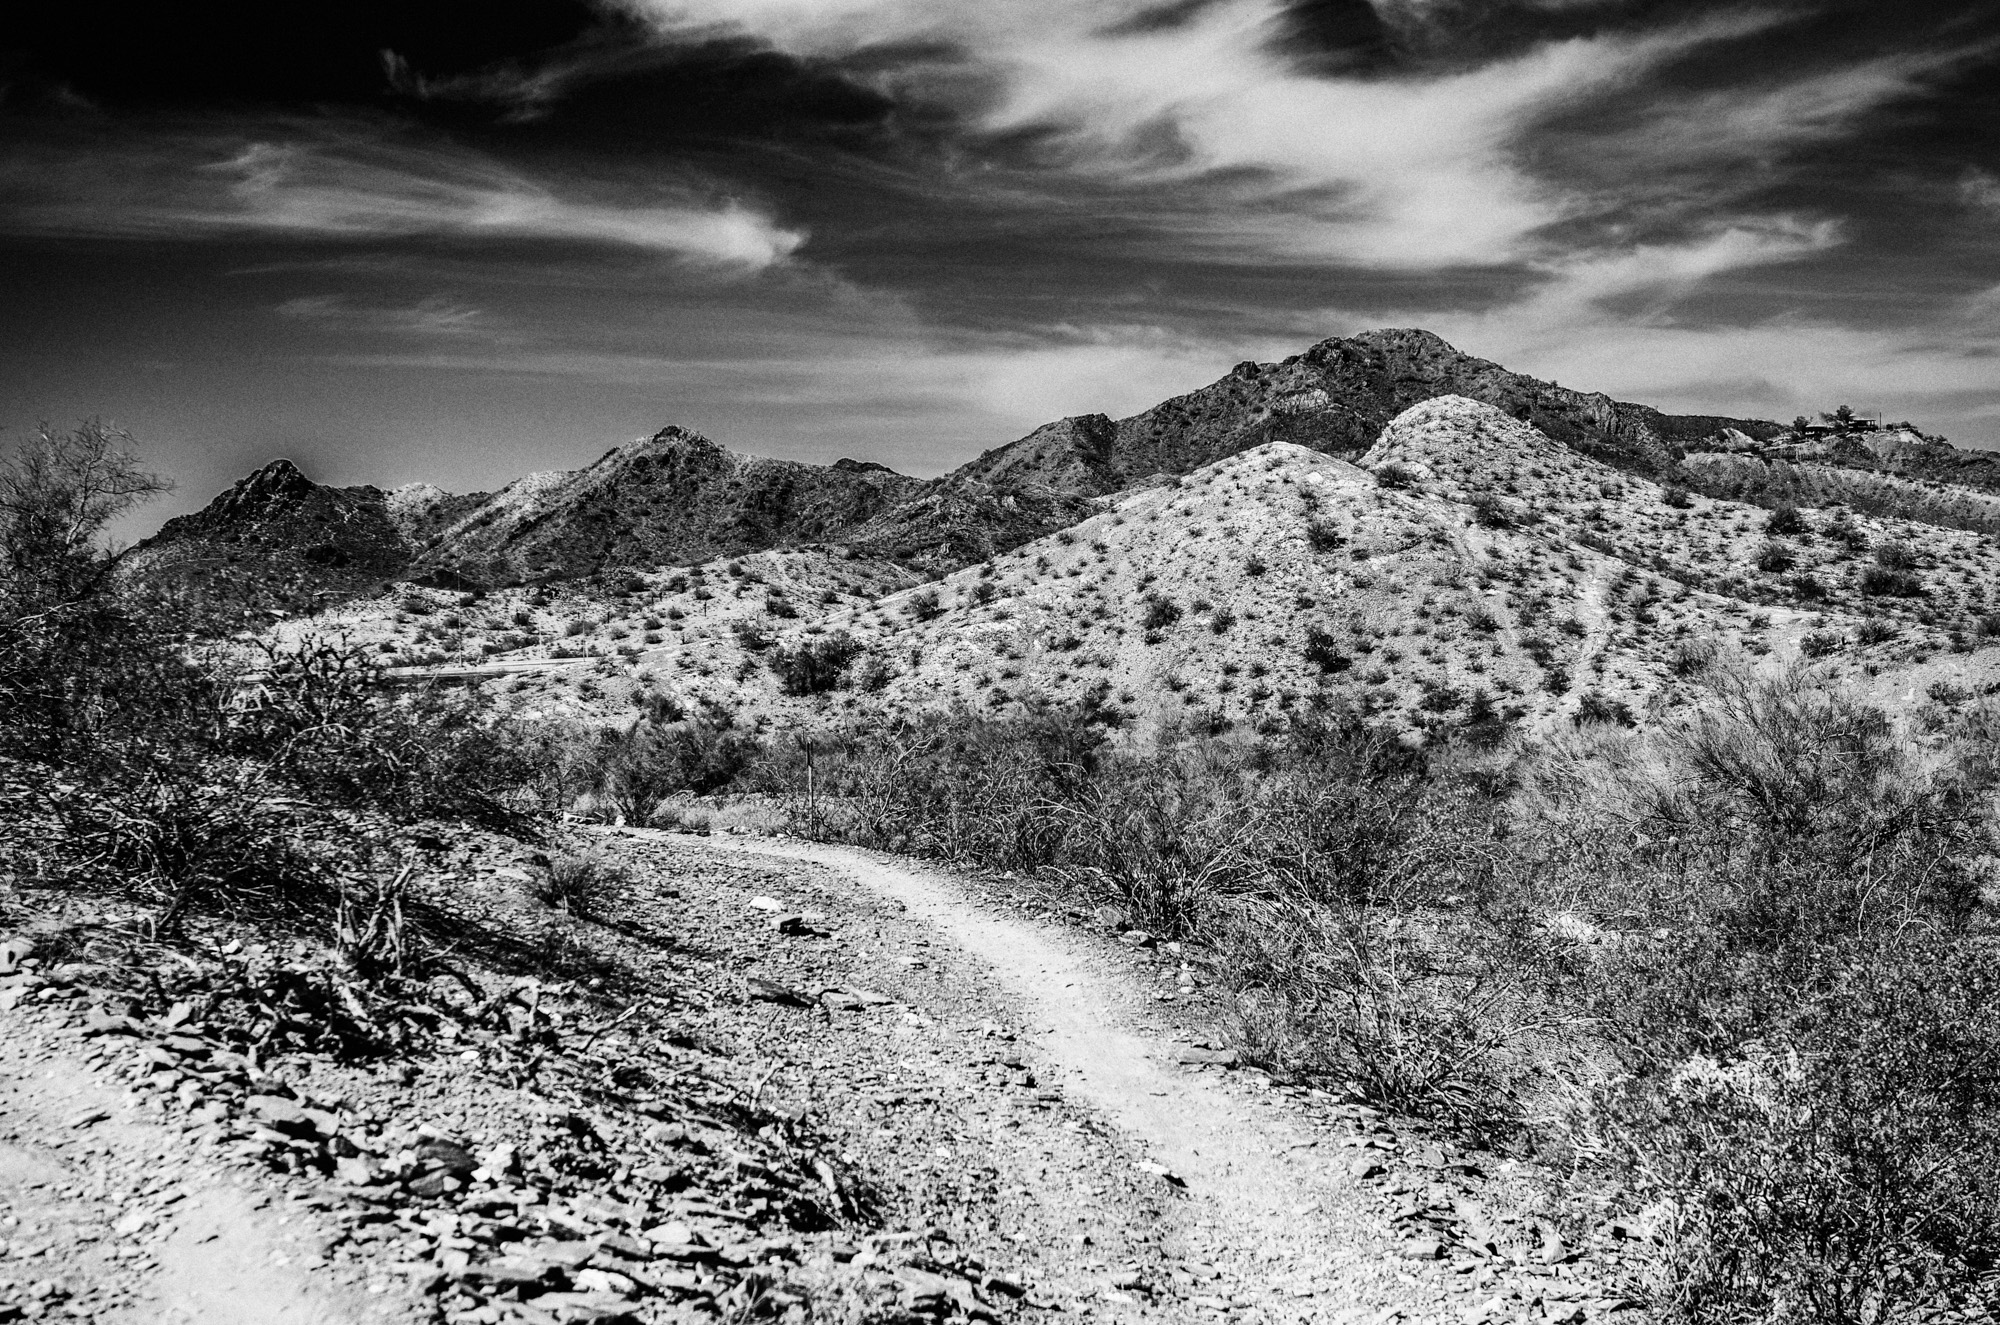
[[1468, 574]]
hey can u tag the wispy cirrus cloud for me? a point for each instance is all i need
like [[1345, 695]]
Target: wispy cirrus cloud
[[432, 318], [1253, 153], [316, 186]]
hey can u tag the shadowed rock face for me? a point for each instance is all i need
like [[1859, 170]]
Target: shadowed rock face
[[278, 540], [677, 497]]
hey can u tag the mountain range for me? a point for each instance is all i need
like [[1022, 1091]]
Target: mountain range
[[676, 497], [1381, 521]]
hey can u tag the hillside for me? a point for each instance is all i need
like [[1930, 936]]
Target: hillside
[[1783, 479], [1469, 573]]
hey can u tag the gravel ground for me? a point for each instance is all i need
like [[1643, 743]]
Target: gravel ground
[[752, 1079]]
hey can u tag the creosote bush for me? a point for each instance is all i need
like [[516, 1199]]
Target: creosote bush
[[815, 666], [1804, 1062], [168, 772]]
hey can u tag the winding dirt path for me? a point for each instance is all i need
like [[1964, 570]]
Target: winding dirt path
[[1271, 1199]]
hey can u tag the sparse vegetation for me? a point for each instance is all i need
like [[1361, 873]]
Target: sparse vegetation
[[1713, 950]]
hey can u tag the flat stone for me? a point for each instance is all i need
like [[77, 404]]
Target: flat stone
[[623, 1244], [1194, 1053], [453, 1158], [279, 1112], [99, 1022], [769, 991], [506, 1272], [554, 1251]]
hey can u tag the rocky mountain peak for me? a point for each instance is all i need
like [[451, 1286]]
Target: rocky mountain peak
[[274, 481]]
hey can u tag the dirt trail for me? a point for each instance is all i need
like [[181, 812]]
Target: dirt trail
[[111, 1213], [1274, 1201]]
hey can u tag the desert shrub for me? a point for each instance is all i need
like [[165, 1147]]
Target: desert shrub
[[1820, 643], [1775, 558], [1886, 582], [753, 637], [873, 675], [1807, 587], [1322, 650], [579, 883], [1323, 535], [1785, 522], [1254, 565], [630, 774], [1944, 692], [322, 720], [1220, 623], [1160, 613], [985, 592], [1847, 1169], [781, 607], [1593, 706], [1989, 625], [1874, 630], [814, 666], [1491, 512], [1894, 554], [924, 605], [1394, 474], [662, 708], [1676, 496], [1807, 1077], [1692, 657], [1438, 697]]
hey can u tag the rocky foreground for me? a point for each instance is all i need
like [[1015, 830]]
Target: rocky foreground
[[723, 1085]]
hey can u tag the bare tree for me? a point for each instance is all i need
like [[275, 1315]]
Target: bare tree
[[59, 492]]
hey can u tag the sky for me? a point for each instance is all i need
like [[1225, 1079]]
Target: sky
[[456, 242]]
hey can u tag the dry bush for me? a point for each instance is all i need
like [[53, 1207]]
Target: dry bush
[[1798, 1061], [579, 884], [1842, 1168], [1345, 888], [629, 774]]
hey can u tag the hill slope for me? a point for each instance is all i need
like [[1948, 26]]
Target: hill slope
[[1469, 573]]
